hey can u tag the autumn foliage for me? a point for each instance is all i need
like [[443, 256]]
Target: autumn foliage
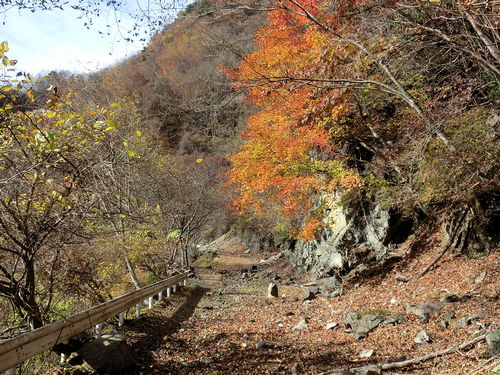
[[288, 154]]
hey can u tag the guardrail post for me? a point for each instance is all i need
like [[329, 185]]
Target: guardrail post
[[64, 357], [168, 292], [121, 319], [185, 282], [160, 296], [98, 330], [138, 310], [150, 302], [174, 288]]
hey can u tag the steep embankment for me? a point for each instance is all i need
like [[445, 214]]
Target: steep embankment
[[224, 323]]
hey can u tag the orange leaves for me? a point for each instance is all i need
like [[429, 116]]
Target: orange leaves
[[284, 162]]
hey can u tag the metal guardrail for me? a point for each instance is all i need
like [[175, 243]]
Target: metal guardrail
[[19, 349]]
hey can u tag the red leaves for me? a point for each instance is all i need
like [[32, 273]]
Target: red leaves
[[283, 164]]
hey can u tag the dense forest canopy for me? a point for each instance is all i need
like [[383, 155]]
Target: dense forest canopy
[[263, 107]]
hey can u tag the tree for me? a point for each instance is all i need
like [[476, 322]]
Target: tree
[[50, 157]]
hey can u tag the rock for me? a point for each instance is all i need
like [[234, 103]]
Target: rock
[[479, 278], [459, 323], [393, 300], [442, 324], [493, 342], [424, 310], [264, 345], [450, 298], [367, 370], [422, 338], [301, 325], [449, 315], [362, 323], [358, 336], [331, 325], [246, 336], [366, 353], [346, 227], [330, 287], [272, 290], [308, 295], [394, 320], [465, 320], [295, 369], [108, 354]]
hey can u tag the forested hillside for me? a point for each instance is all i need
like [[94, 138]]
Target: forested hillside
[[350, 135]]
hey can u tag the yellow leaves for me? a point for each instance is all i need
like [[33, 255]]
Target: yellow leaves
[[199, 160], [4, 47]]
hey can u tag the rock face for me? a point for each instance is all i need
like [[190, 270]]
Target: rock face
[[353, 235]]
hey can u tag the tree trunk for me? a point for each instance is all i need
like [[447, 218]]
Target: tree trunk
[[132, 273], [27, 296]]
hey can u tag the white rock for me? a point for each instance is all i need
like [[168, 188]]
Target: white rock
[[366, 353], [301, 325], [422, 338], [480, 277], [331, 325], [394, 300]]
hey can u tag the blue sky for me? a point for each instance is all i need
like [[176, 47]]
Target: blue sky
[[58, 40]]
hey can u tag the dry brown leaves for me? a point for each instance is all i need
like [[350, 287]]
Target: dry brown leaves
[[213, 326]]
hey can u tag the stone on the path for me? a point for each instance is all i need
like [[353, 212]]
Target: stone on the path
[[367, 370], [449, 315], [394, 320], [272, 290], [460, 323], [465, 320], [422, 338], [301, 325], [393, 300], [295, 369], [308, 295], [450, 298], [425, 310], [360, 336], [331, 325], [480, 277], [362, 323], [264, 345], [442, 324], [366, 353], [493, 341]]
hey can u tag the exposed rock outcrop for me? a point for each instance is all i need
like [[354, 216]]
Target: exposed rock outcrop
[[353, 234]]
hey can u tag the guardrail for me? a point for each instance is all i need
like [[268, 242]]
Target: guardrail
[[17, 350]]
